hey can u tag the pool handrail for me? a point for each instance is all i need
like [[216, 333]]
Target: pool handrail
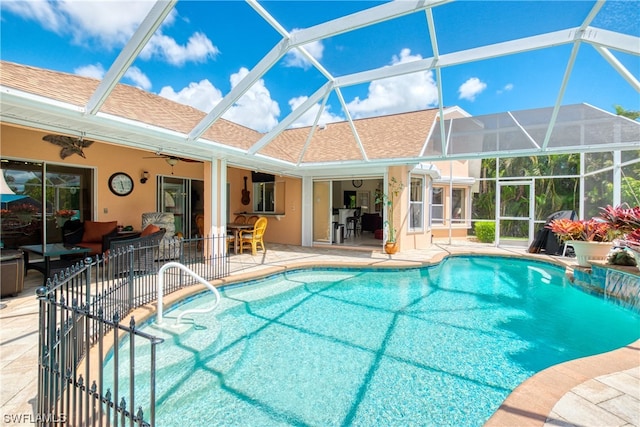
[[173, 264]]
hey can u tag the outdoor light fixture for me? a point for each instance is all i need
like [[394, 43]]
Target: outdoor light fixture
[[144, 177]]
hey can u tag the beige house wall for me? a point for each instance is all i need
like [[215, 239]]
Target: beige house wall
[[407, 240], [27, 144], [284, 229]]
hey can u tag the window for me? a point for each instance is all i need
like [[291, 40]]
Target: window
[[67, 192], [264, 196], [458, 206], [437, 205], [416, 204]]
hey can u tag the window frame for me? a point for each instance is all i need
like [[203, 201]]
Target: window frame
[[421, 192], [432, 218], [260, 194]]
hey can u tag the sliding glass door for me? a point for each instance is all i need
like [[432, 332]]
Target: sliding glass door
[[322, 227], [34, 209], [184, 198]]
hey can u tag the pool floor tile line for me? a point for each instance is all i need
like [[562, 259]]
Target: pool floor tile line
[[607, 387]]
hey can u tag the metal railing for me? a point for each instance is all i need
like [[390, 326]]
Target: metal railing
[[80, 320]]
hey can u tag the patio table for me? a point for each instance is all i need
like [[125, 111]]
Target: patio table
[[236, 228], [49, 250]]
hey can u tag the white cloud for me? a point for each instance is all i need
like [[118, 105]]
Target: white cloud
[[95, 71], [255, 109], [295, 58], [308, 117], [508, 87], [102, 21], [42, 12], [198, 49], [409, 92], [471, 88], [139, 78], [100, 25], [202, 95]]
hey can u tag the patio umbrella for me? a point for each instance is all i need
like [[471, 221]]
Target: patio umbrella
[[4, 187]]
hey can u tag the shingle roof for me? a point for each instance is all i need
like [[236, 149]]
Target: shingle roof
[[124, 101], [386, 137]]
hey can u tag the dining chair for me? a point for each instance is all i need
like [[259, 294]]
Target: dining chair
[[252, 219], [240, 219], [200, 227], [254, 237]]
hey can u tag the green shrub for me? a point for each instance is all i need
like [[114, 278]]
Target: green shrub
[[485, 231]]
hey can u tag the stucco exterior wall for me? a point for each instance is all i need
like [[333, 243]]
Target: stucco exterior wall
[[406, 239], [284, 229], [26, 144]]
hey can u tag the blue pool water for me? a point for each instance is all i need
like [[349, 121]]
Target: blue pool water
[[442, 345]]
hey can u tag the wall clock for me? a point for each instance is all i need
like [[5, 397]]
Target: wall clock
[[120, 184], [357, 183]]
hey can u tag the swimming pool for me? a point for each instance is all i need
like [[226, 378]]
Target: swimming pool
[[442, 345]]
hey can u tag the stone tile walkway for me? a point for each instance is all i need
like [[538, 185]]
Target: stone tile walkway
[[611, 399], [608, 400]]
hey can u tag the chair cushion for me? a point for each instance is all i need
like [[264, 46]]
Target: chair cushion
[[93, 230], [150, 229], [95, 248]]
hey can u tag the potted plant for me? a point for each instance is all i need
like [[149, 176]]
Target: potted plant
[[63, 215], [626, 221], [388, 200], [593, 238], [621, 219], [24, 212]]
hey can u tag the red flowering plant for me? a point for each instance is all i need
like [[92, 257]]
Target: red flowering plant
[[593, 230], [632, 240], [24, 208], [65, 213], [622, 219]]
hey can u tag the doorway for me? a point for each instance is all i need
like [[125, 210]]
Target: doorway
[[184, 198], [34, 209], [336, 202], [515, 213]]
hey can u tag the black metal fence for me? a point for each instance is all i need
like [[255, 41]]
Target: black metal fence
[[81, 313]]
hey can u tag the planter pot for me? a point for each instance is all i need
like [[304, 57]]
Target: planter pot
[[60, 221], [586, 251], [391, 247]]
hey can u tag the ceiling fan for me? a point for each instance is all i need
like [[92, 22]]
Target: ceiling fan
[[171, 160]]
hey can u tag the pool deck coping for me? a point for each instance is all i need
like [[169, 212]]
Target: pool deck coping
[[595, 390]]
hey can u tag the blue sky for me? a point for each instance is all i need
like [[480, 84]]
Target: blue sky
[[205, 47]]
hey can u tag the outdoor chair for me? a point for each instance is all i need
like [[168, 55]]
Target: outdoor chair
[[169, 246], [144, 247], [252, 219], [253, 237], [240, 219], [94, 235], [200, 226]]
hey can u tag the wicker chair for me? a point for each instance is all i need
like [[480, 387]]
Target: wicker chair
[[200, 226], [240, 219], [144, 248], [254, 237]]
